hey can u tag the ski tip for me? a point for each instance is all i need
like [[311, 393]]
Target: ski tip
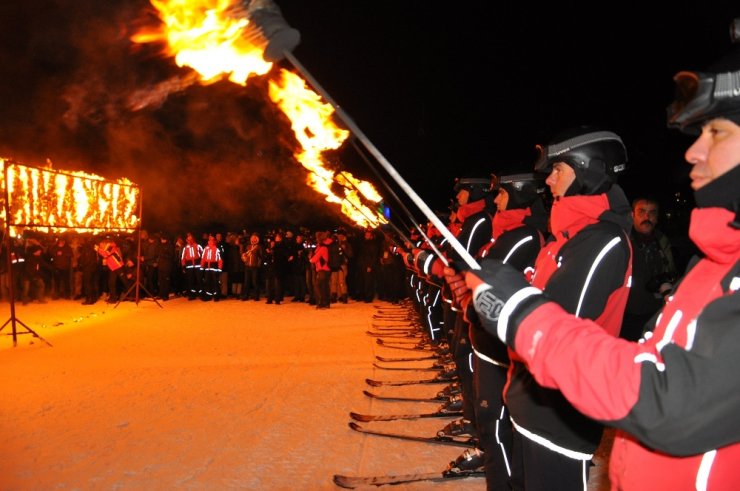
[[368, 393], [354, 426], [355, 416], [373, 383]]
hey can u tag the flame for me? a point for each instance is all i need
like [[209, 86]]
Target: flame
[[53, 201], [213, 37], [208, 36]]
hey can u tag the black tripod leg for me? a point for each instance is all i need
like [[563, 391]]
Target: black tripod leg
[[14, 321]]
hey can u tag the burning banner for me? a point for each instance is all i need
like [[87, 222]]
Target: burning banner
[[220, 39], [51, 201]]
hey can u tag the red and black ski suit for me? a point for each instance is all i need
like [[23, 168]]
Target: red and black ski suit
[[675, 396], [585, 269], [518, 236]]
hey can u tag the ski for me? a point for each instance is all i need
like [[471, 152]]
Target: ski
[[435, 380], [405, 399], [395, 327], [392, 336], [405, 358], [365, 418], [417, 369], [351, 482], [407, 343], [406, 348], [440, 440]]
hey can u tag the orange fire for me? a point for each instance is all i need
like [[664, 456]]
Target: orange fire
[[55, 201], [214, 38]]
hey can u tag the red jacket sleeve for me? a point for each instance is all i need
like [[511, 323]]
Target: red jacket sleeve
[[600, 378]]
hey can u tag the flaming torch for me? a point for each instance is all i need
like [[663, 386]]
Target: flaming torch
[[235, 40], [275, 23]]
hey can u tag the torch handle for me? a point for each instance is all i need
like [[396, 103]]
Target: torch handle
[[464, 254]]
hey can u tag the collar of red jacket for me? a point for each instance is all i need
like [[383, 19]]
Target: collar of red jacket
[[506, 220], [572, 213], [711, 231], [470, 209]]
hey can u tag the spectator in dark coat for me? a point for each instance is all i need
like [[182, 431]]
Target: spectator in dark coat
[[276, 269], [368, 261], [61, 273]]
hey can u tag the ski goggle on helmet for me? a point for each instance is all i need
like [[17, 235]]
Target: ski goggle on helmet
[[704, 96], [522, 189]]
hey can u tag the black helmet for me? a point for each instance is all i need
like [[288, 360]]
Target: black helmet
[[595, 156], [523, 189], [478, 188]]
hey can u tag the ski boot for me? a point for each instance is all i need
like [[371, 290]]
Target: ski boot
[[448, 373], [442, 349], [459, 427], [453, 389], [442, 359], [444, 364], [445, 367], [454, 405], [471, 460]]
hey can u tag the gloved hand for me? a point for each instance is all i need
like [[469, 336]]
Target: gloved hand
[[459, 289], [408, 260], [500, 292], [437, 268]]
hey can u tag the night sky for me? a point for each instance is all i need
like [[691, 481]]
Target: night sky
[[442, 90]]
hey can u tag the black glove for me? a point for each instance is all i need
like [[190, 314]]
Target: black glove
[[502, 298]]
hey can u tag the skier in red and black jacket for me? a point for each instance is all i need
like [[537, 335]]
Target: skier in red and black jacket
[[519, 229], [585, 268], [674, 396]]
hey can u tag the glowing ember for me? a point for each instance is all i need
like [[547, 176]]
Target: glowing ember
[[54, 201], [213, 38]]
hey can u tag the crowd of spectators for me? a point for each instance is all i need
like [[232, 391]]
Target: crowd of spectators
[[269, 265]]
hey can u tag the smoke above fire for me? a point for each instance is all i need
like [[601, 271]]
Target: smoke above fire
[[76, 90]]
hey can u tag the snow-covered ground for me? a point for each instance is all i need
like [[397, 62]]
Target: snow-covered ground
[[202, 396]]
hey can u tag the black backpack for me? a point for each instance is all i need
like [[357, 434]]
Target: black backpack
[[336, 256]]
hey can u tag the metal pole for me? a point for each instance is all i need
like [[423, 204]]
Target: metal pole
[[464, 254], [13, 320], [138, 252], [403, 207]]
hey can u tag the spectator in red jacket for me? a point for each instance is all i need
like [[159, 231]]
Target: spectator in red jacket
[[320, 260]]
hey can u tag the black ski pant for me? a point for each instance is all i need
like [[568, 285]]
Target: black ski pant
[[492, 421]]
